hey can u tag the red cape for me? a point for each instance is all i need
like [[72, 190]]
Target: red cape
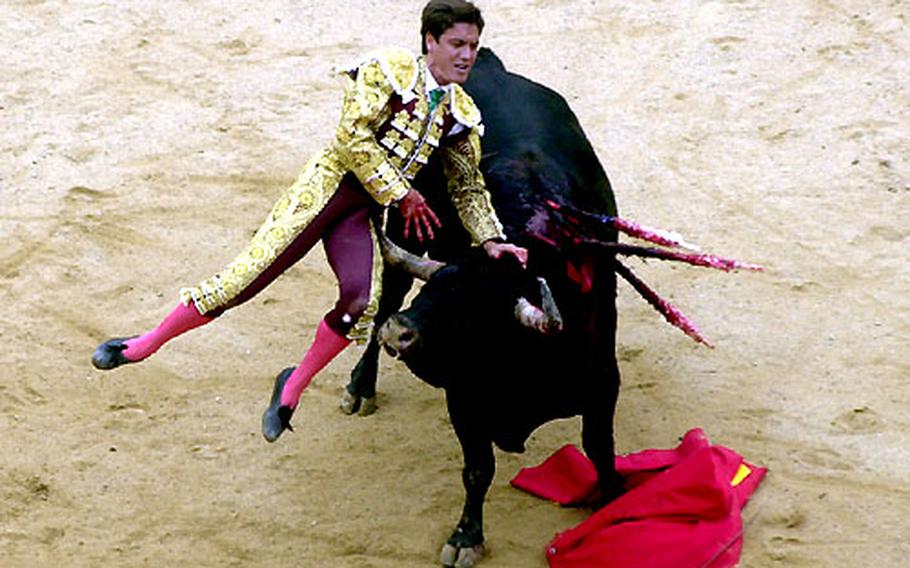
[[682, 507]]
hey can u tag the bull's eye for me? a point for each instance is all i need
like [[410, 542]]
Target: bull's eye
[[406, 337]]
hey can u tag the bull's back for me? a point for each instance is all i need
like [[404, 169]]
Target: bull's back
[[534, 147]]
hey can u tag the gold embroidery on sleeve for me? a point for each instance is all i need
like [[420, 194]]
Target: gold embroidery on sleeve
[[461, 160]]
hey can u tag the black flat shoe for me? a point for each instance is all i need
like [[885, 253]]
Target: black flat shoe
[[277, 417], [109, 354]]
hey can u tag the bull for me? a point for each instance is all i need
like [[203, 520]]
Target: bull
[[461, 332], [532, 137], [515, 348]]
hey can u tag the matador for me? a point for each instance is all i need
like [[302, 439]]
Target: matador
[[398, 109]]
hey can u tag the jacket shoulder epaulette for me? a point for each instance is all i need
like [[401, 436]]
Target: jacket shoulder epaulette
[[464, 110], [399, 66]]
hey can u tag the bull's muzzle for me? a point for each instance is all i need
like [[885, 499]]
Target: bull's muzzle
[[397, 336]]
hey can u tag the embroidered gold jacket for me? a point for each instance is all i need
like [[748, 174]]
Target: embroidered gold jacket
[[386, 135]]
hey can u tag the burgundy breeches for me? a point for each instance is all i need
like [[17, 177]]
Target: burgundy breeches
[[344, 227]]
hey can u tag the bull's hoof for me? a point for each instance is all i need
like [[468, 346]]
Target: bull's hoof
[[368, 406], [352, 403], [455, 557], [349, 403]]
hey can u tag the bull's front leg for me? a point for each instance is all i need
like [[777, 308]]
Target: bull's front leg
[[466, 546], [360, 394]]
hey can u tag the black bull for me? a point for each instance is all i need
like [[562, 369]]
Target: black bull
[[502, 380]]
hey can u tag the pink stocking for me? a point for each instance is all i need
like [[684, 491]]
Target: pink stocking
[[326, 346], [182, 319]]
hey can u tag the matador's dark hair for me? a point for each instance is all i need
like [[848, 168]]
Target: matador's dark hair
[[440, 15]]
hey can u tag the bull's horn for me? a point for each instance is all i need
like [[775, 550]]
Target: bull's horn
[[547, 320], [414, 265]]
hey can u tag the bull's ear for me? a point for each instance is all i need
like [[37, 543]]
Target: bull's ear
[[546, 319], [422, 268]]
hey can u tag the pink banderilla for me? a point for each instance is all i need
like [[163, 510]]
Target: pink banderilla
[[670, 312], [631, 228], [695, 259], [578, 226]]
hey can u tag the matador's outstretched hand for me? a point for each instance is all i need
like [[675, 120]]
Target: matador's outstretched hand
[[417, 214], [497, 249]]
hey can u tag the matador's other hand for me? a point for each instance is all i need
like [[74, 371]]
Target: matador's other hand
[[417, 214], [496, 250]]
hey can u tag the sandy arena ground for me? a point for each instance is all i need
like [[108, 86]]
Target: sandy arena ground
[[142, 142]]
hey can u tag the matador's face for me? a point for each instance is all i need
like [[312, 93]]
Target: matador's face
[[451, 57]]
